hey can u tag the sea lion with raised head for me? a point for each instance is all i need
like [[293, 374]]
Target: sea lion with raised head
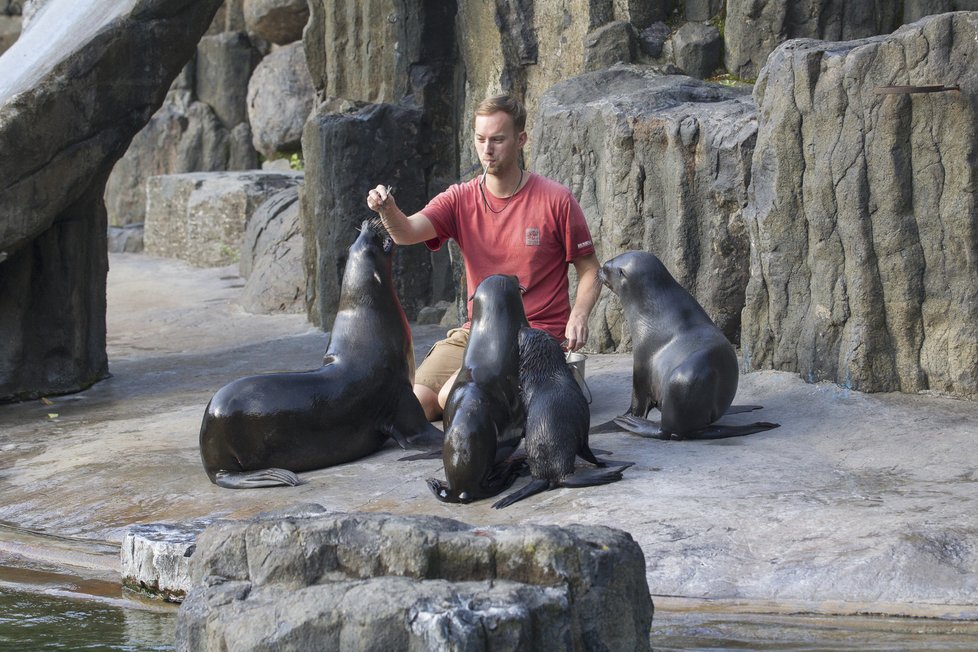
[[682, 363], [557, 420], [484, 415], [259, 430]]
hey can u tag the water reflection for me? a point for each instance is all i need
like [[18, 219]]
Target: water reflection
[[31, 621]]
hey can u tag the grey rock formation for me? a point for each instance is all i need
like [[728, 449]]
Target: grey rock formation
[[697, 49], [126, 239], [224, 65], [276, 21], [155, 558], [914, 10], [755, 27], [200, 217], [271, 257], [863, 211], [610, 44], [652, 39], [347, 154], [229, 18], [68, 126], [280, 97], [703, 10], [183, 136], [658, 163], [380, 582]]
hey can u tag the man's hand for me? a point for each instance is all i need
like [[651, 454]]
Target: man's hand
[[380, 199], [576, 333]]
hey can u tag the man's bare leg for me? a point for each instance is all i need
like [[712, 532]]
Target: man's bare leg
[[429, 402], [446, 390]]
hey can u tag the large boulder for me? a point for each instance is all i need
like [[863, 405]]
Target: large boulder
[[183, 136], [225, 62], [201, 217], [863, 210], [272, 257], [313, 580], [753, 28], [277, 21], [659, 163], [70, 102], [347, 154], [280, 97]]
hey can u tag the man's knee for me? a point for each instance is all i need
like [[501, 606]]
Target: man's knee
[[429, 402]]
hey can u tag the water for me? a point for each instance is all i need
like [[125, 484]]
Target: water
[[42, 609], [45, 610]]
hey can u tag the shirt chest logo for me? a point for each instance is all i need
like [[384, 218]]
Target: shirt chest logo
[[532, 237]]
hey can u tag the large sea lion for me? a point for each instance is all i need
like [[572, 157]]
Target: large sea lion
[[682, 363], [258, 430], [484, 416], [557, 420]]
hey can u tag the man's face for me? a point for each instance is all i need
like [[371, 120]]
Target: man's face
[[497, 142]]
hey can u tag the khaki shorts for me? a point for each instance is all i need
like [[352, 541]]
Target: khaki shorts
[[443, 360]]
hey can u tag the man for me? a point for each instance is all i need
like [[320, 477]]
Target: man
[[507, 221]]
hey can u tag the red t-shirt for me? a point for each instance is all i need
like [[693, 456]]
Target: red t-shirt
[[538, 233]]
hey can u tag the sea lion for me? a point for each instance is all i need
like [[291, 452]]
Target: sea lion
[[484, 415], [682, 363], [258, 430], [557, 420]]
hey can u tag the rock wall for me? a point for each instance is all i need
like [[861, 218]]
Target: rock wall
[[659, 163], [863, 215], [346, 153], [70, 102]]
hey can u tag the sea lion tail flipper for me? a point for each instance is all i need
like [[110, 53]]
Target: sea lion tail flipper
[[585, 453], [427, 438], [534, 486], [607, 426], [721, 431], [426, 455], [255, 479], [611, 464], [739, 409], [641, 427], [591, 477]]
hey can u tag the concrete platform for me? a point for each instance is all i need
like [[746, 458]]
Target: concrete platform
[[856, 504]]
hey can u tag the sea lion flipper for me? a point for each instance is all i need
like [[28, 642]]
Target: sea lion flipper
[[739, 409], [410, 429], [426, 455], [607, 426], [440, 489], [427, 438], [254, 479], [641, 427], [585, 453], [721, 431], [591, 477], [533, 487], [610, 464]]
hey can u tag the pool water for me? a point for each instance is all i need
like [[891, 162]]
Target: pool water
[[52, 618], [36, 621]]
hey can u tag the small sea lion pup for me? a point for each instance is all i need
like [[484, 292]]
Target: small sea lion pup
[[258, 430], [682, 363], [484, 416], [557, 420]]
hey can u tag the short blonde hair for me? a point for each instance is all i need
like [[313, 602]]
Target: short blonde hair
[[507, 104]]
